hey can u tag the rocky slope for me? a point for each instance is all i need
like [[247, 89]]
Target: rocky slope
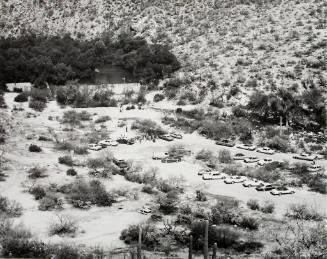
[[248, 44]]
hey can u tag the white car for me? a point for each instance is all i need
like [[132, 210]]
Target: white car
[[253, 183], [235, 179], [246, 147], [207, 176], [95, 147], [108, 143], [314, 168], [282, 190], [266, 150], [305, 156], [219, 176], [251, 159], [265, 161]]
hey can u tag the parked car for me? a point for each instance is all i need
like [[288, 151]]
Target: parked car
[[282, 190], [265, 161], [253, 183], [246, 147], [225, 142], [219, 176], [314, 168], [305, 156], [108, 143], [265, 187], [175, 135], [235, 179], [266, 150], [125, 141], [95, 147], [207, 176], [239, 156], [166, 137], [121, 163], [204, 171], [251, 159], [145, 210], [171, 159], [159, 156]]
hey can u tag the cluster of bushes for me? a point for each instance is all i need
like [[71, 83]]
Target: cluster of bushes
[[158, 97], [316, 182], [148, 127], [66, 160], [38, 99], [83, 194], [267, 207], [57, 60], [303, 212], [305, 110], [74, 118], [18, 242], [67, 145], [10, 208], [80, 97]]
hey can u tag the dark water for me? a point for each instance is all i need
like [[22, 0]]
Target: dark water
[[113, 75]]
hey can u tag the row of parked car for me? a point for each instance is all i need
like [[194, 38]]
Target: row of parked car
[[208, 174], [265, 150], [111, 143], [170, 137]]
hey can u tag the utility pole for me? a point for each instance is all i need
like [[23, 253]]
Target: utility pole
[[190, 249]]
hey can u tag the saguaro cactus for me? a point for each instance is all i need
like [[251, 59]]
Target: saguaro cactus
[[190, 249], [214, 251], [206, 233], [139, 245]]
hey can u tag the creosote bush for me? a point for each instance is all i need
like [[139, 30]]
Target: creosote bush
[[37, 172], [34, 148], [66, 160], [10, 208], [64, 225]]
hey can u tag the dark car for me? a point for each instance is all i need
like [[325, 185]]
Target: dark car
[[225, 142], [267, 187], [166, 137], [125, 141], [171, 159], [122, 164]]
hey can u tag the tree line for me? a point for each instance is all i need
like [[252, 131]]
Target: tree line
[[56, 60]]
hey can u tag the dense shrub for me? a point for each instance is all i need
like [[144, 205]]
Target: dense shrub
[[10, 208], [302, 212], [200, 196], [66, 160], [71, 172], [37, 172], [44, 138], [253, 204], [38, 192], [158, 97], [36, 105], [103, 119], [83, 194], [225, 237], [268, 207], [22, 97], [224, 156], [279, 143], [150, 235], [34, 148], [168, 203], [50, 202], [64, 145], [148, 127], [204, 155], [81, 150], [250, 223]]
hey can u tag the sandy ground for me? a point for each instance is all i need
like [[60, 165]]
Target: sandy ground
[[102, 226]]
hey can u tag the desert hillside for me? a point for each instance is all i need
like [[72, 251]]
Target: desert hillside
[[242, 43]]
